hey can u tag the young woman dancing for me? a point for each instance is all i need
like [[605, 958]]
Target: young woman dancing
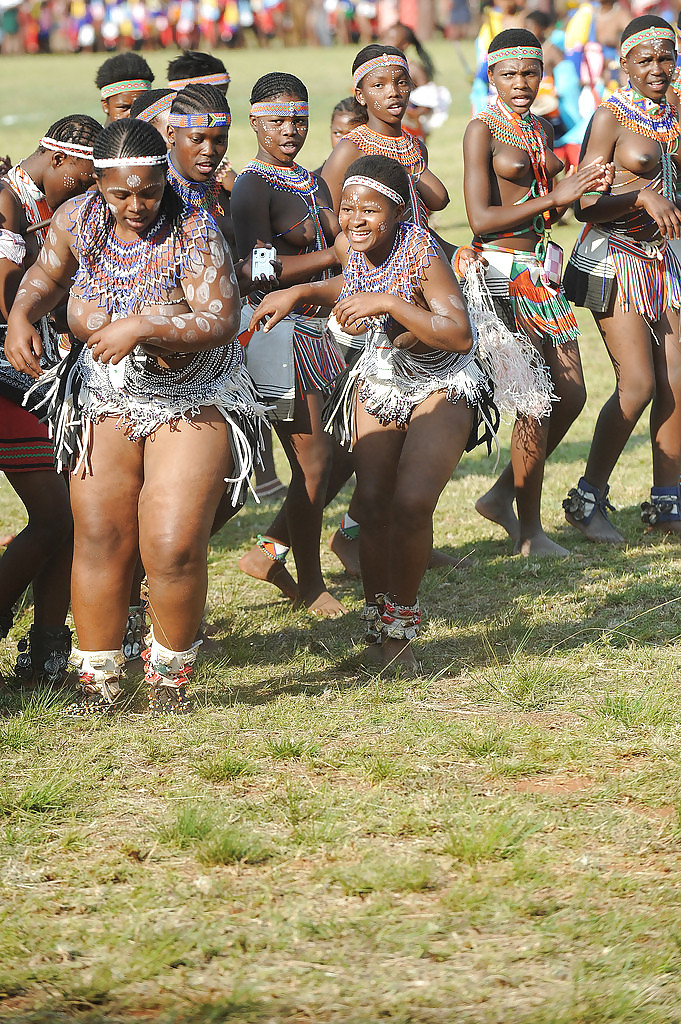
[[152, 414], [277, 201], [511, 202], [410, 402], [625, 271], [60, 168]]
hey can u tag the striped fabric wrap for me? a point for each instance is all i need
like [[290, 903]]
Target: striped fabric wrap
[[515, 280], [647, 274], [25, 446]]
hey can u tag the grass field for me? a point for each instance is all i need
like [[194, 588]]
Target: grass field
[[498, 841]]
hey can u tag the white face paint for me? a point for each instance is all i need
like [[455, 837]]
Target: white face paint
[[189, 291], [133, 180], [215, 306], [53, 259], [159, 321], [69, 182], [203, 292], [112, 209], [178, 322], [226, 289], [210, 274], [95, 321], [202, 324], [52, 237]]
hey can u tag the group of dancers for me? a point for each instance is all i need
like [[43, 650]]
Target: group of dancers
[[162, 314]]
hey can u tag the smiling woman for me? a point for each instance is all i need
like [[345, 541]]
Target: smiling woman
[[153, 414]]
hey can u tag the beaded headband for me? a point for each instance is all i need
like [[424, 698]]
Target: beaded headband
[[517, 53], [131, 85], [377, 186], [204, 120], [386, 60], [131, 161], [289, 108], [647, 35], [156, 108], [219, 78], [67, 148]]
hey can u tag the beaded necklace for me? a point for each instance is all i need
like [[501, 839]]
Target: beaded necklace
[[287, 179], [527, 133], [405, 151], [196, 195], [399, 274], [644, 117]]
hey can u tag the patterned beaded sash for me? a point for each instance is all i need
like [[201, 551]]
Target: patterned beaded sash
[[644, 117]]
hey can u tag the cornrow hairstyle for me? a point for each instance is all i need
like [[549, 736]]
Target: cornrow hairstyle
[[146, 100], [278, 83], [383, 169], [349, 105], [200, 99], [513, 37], [129, 138], [642, 23], [194, 64], [423, 54], [79, 129], [122, 67], [372, 51]]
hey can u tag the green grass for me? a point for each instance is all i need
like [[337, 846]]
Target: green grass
[[497, 841]]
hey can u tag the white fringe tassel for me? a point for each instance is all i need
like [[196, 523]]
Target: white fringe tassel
[[522, 381]]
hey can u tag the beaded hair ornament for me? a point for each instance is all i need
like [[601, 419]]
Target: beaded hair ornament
[[130, 85], [219, 78], [67, 148], [131, 161], [647, 35], [377, 186], [517, 53], [385, 60], [289, 108], [204, 120], [154, 109]]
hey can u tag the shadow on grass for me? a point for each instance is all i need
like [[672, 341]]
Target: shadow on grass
[[251, 1011]]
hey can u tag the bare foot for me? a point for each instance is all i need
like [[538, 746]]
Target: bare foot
[[539, 546], [441, 560], [347, 552], [599, 529], [663, 528], [255, 563], [498, 508], [324, 606], [397, 654], [7, 539]]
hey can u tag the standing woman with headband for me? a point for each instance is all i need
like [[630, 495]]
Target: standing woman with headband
[[278, 202], [120, 80], [60, 168], [625, 271], [152, 415], [511, 202]]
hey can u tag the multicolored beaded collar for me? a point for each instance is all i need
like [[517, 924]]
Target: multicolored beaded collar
[[289, 108], [287, 179], [196, 195], [130, 85], [219, 78], [67, 148], [515, 53], [377, 186], [156, 108], [645, 117], [386, 60], [647, 35], [204, 120]]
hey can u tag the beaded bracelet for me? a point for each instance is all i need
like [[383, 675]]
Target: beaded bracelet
[[594, 194]]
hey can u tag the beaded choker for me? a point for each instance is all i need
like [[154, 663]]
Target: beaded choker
[[515, 53], [386, 60], [67, 148], [219, 78], [288, 179], [203, 120], [289, 108], [130, 85], [377, 186], [644, 117], [648, 35], [403, 149], [195, 194]]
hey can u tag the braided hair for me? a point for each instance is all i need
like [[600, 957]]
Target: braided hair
[[140, 104], [374, 50], [278, 83], [199, 98], [122, 67], [513, 37], [642, 23], [79, 129], [349, 105], [120, 139], [195, 64], [382, 169]]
